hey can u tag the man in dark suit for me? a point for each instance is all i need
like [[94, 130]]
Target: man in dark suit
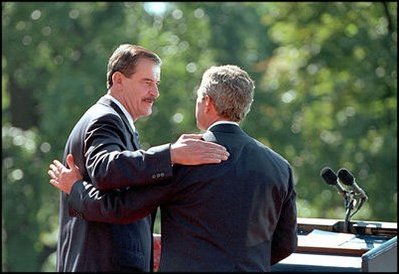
[[107, 151], [239, 215]]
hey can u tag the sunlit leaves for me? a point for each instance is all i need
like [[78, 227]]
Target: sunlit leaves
[[326, 92], [333, 69]]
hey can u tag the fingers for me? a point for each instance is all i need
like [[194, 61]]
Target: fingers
[[214, 146], [212, 154], [214, 150], [51, 174], [61, 177], [55, 184], [54, 174], [196, 152], [55, 170], [208, 161], [53, 180], [58, 165], [212, 157]]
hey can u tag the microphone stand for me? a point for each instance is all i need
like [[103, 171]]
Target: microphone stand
[[349, 205], [351, 202]]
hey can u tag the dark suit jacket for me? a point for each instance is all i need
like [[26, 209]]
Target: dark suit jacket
[[239, 215], [106, 151]]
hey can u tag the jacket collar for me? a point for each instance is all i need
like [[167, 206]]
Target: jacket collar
[[104, 100], [227, 128], [221, 128]]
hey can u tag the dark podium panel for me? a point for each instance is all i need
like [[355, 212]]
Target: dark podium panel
[[324, 246]]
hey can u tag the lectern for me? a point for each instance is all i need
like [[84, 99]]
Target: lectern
[[329, 245]]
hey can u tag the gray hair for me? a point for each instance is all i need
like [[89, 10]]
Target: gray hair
[[125, 59], [230, 88]]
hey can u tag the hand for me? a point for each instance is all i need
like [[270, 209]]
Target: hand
[[62, 177], [189, 149]]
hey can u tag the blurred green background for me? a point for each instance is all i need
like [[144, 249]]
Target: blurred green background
[[326, 95]]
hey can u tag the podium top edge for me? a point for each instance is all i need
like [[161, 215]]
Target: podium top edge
[[330, 222]]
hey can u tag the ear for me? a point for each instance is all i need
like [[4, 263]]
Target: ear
[[117, 78], [209, 104]]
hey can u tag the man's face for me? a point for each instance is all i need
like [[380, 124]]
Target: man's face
[[141, 89]]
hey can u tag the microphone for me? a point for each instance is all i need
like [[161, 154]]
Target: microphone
[[347, 178], [330, 178]]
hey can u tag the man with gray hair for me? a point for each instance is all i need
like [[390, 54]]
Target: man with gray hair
[[239, 215]]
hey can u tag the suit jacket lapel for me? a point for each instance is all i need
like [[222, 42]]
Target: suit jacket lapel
[[108, 102]]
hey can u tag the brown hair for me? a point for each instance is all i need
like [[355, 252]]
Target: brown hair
[[125, 58]]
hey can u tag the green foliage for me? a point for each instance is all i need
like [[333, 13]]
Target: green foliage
[[25, 217], [326, 95], [334, 77]]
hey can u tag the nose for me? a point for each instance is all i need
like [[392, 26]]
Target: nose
[[155, 91]]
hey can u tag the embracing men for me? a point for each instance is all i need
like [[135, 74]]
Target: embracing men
[[107, 151], [237, 215]]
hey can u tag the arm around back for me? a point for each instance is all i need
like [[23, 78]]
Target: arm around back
[[120, 207]]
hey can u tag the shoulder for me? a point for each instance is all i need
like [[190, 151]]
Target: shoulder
[[99, 116], [101, 112], [276, 156]]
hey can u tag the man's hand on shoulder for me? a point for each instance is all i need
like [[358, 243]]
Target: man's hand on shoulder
[[189, 149]]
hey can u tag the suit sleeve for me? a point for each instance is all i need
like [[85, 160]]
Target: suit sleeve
[[116, 206], [285, 237], [111, 165]]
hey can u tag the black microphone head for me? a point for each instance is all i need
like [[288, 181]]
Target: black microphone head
[[328, 176], [345, 177]]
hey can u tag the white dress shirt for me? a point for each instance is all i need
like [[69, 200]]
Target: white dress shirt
[[127, 114], [222, 122]]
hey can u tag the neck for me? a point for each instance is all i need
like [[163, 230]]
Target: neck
[[122, 101]]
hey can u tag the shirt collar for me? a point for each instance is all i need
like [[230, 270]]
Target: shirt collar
[[127, 114], [222, 122]]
